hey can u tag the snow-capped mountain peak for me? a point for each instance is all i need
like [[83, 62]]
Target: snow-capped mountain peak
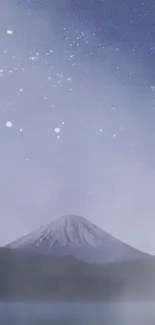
[[75, 236]]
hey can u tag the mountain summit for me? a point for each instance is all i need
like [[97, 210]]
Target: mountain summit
[[77, 237]]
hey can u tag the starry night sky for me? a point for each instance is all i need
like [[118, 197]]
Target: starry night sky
[[77, 116]]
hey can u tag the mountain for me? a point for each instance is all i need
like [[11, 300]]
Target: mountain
[[34, 276], [77, 237]]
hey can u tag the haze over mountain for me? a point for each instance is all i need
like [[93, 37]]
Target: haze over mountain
[[75, 236], [32, 276]]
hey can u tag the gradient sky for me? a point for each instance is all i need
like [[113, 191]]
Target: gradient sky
[[77, 116]]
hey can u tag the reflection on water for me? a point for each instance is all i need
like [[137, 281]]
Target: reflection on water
[[77, 314]]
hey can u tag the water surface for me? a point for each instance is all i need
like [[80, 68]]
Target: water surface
[[132, 313]]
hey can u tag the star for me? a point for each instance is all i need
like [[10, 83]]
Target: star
[[8, 124], [57, 130], [9, 32]]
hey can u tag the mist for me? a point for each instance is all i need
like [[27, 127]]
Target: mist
[[79, 314]]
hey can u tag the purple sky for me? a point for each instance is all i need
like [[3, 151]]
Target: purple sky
[[77, 116]]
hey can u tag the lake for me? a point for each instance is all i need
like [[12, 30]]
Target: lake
[[132, 313]]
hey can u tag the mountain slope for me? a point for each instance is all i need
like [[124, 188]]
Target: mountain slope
[[33, 276], [75, 236]]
